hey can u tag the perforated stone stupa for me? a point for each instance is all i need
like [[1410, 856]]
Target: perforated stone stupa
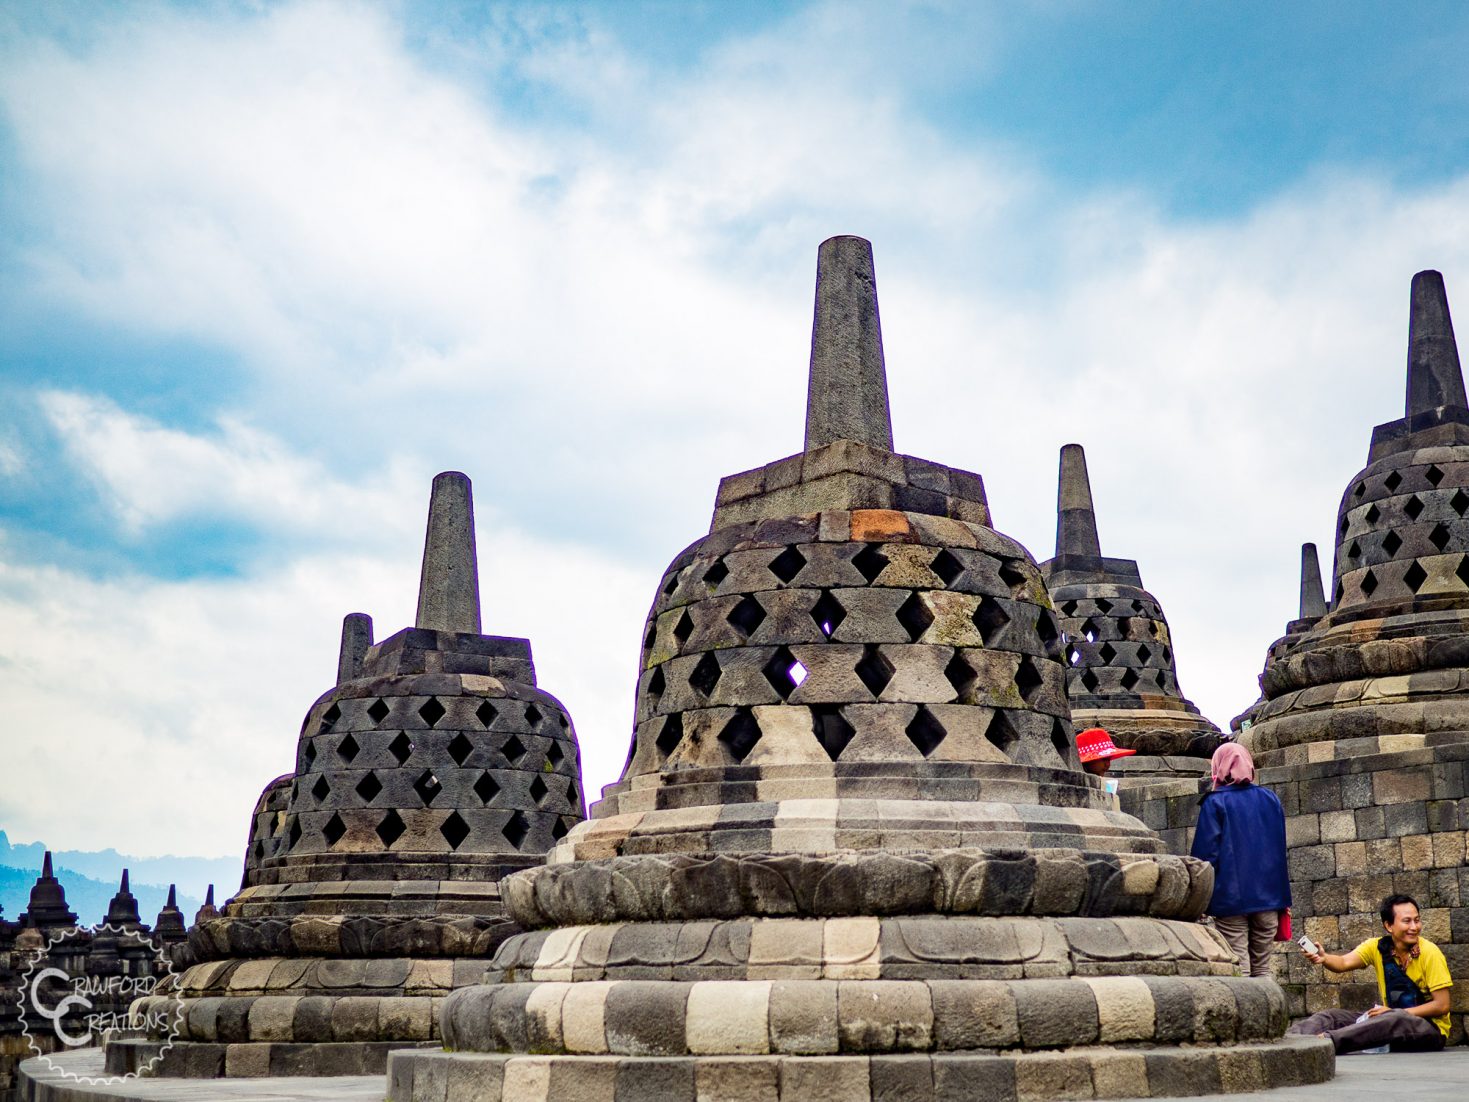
[[1121, 670], [434, 767], [851, 854]]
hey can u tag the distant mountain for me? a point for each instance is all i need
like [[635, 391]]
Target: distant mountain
[[91, 877]]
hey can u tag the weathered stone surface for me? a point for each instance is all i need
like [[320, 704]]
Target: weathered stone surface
[[848, 399], [1364, 713]]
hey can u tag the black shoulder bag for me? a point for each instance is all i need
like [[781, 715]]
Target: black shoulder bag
[[1402, 992]]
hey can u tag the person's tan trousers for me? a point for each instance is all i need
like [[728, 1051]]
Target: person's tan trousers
[[1252, 937]]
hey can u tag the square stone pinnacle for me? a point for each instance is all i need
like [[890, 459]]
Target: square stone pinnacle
[[1080, 569], [847, 475], [1437, 428], [423, 650]]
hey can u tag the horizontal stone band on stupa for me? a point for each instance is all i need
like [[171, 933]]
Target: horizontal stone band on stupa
[[1399, 613]]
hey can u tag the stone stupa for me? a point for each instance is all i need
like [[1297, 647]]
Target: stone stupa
[[434, 767], [47, 905], [851, 854], [1312, 608], [1121, 671]]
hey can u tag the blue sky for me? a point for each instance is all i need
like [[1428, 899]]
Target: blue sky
[[269, 267]]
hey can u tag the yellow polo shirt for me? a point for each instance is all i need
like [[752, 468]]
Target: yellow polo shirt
[[1428, 970]]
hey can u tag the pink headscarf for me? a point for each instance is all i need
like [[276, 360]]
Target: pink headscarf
[[1231, 765]]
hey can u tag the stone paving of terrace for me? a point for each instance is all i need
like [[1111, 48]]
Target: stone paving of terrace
[[1439, 1077]]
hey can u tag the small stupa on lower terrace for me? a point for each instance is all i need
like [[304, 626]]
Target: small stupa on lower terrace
[[431, 769], [1121, 667]]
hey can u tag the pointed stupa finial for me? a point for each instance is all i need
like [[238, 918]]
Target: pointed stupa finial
[[1076, 520], [169, 925], [208, 910], [847, 391], [448, 588], [1434, 376], [123, 909], [47, 906], [1313, 596], [356, 639]]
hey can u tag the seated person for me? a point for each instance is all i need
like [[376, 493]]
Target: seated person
[[1413, 983], [1096, 750]]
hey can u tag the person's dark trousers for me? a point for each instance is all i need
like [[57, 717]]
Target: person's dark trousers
[[1403, 1031]]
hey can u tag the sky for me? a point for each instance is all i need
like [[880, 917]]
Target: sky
[[268, 267]]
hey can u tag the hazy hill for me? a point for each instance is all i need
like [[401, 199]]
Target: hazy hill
[[90, 879]]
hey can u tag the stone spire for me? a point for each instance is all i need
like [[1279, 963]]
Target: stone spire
[[1076, 520], [1436, 413], [848, 461], [169, 926], [356, 638], [847, 393], [448, 589], [123, 910], [208, 910], [47, 906], [1313, 596], [1435, 379]]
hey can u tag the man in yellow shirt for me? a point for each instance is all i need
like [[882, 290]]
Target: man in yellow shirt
[[1413, 984]]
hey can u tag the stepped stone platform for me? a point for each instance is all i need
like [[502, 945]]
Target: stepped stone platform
[[111, 961], [1121, 671], [852, 853], [432, 769]]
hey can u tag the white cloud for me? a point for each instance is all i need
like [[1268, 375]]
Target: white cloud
[[149, 474], [597, 320], [147, 715], [12, 460]]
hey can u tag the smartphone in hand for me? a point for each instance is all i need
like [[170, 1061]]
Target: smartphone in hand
[[1308, 945]]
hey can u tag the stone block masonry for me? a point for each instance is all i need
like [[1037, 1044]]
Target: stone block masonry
[[1359, 828]]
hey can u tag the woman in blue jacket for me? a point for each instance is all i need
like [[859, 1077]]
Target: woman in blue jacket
[[1241, 832]]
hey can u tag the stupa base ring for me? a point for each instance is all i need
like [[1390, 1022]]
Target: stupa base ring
[[1079, 1073], [254, 1059]]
